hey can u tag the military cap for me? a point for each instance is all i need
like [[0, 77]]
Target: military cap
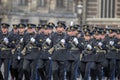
[[31, 25], [51, 24], [110, 30], [61, 24], [73, 28], [68, 29], [5, 25], [85, 26], [88, 33], [15, 26], [97, 31], [21, 25], [39, 26], [86, 29], [102, 30], [45, 26]]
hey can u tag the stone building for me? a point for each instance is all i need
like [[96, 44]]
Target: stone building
[[38, 11], [94, 12], [101, 12]]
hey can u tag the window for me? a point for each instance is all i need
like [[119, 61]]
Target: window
[[0, 1], [60, 3], [42, 3], [107, 8], [24, 21], [24, 2], [43, 21], [62, 22]]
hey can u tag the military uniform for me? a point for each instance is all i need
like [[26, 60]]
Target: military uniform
[[44, 61], [17, 59], [30, 54], [74, 49], [88, 58], [100, 52], [5, 52], [117, 46], [111, 54], [59, 54]]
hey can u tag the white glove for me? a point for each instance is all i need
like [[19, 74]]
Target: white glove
[[75, 40], [32, 40], [89, 46], [21, 40], [18, 57], [49, 58], [100, 44], [48, 40], [6, 40], [111, 42], [63, 41]]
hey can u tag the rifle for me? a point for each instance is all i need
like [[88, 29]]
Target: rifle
[[28, 46], [59, 44]]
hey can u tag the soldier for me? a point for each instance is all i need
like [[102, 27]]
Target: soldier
[[30, 53], [111, 53], [17, 60], [40, 28], [74, 48], [88, 58], [100, 51], [58, 51], [45, 43], [5, 51], [117, 46], [13, 35]]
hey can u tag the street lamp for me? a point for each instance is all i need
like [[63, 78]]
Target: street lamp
[[79, 12]]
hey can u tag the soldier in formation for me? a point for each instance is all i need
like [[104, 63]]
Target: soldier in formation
[[49, 52]]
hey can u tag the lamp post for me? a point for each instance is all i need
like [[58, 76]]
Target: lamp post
[[79, 13]]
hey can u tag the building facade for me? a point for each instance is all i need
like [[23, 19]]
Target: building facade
[[38, 11], [101, 12], [94, 12]]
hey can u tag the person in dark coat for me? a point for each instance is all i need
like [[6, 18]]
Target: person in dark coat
[[117, 46], [58, 51], [13, 40], [74, 49], [17, 59], [111, 53], [30, 53], [100, 51], [88, 58], [5, 50], [45, 43]]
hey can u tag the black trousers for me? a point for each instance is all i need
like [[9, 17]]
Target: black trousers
[[111, 67], [85, 69], [29, 68], [58, 70], [6, 62], [72, 69], [17, 68], [118, 69], [97, 72], [45, 69]]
